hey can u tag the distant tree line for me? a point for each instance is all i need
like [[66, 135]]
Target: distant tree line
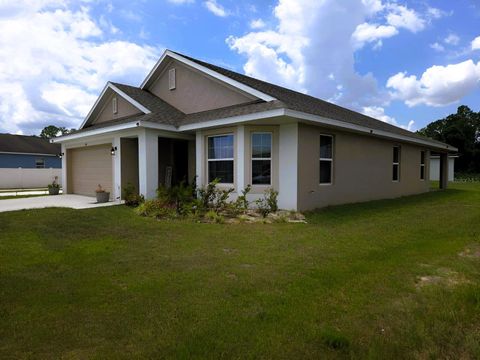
[[461, 130]]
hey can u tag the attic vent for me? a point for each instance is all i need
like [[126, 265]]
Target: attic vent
[[114, 105], [171, 79]]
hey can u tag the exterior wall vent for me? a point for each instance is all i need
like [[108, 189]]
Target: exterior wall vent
[[114, 105], [171, 79]]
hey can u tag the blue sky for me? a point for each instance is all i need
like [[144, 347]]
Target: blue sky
[[404, 62]]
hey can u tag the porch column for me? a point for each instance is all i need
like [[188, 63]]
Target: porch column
[[288, 167], [64, 180], [117, 169], [240, 165], [148, 163], [443, 170], [199, 158]]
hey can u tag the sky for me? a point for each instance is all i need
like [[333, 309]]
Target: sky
[[404, 62]]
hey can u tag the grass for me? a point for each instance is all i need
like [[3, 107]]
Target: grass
[[8, 197], [353, 283]]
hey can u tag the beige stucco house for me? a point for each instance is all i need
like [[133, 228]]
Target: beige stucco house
[[189, 118]]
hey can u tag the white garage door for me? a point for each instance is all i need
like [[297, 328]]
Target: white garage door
[[88, 167]]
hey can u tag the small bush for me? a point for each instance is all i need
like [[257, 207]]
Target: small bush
[[212, 216], [131, 196], [268, 203], [213, 198], [241, 204], [156, 208]]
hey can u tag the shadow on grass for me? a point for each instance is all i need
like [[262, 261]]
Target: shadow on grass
[[350, 212]]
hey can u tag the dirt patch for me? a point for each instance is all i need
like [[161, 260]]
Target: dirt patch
[[471, 252], [443, 277]]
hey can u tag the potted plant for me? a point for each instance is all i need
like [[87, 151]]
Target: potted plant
[[102, 195], [54, 187]]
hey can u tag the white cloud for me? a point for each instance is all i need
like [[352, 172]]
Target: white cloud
[[366, 33], [215, 8], [438, 47], [402, 17], [434, 13], [452, 39], [438, 85], [54, 62], [308, 51], [378, 112], [257, 24], [476, 43]]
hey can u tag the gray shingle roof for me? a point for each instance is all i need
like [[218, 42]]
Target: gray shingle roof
[[27, 145], [308, 104], [164, 113]]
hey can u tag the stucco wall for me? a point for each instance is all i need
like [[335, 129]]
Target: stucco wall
[[13, 161], [362, 169], [124, 108], [195, 91]]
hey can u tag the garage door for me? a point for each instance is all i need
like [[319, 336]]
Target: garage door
[[88, 167]]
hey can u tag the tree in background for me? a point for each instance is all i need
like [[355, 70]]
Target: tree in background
[[461, 130], [52, 131]]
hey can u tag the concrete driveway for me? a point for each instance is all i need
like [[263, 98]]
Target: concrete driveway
[[38, 202]]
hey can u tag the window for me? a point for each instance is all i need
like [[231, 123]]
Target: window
[[326, 159], [114, 105], [40, 163], [171, 79], [396, 163], [262, 158], [422, 165], [220, 158]]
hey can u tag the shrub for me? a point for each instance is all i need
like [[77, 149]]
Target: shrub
[[213, 198], [156, 208], [241, 204], [212, 216], [131, 196], [268, 203]]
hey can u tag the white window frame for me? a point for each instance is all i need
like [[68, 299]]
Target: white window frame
[[422, 165], [37, 165], [221, 159], [326, 159], [115, 105], [252, 159], [397, 163]]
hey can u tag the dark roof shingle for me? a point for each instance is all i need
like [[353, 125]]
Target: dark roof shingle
[[164, 113], [27, 145]]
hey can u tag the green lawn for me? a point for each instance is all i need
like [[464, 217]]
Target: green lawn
[[105, 283]]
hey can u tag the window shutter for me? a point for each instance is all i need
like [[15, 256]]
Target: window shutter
[[171, 79]]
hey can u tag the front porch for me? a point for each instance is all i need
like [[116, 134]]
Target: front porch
[[146, 158]]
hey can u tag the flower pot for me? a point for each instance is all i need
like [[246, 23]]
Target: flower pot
[[53, 190], [103, 197]]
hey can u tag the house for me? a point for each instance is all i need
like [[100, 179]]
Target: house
[[190, 118], [28, 161], [435, 167]]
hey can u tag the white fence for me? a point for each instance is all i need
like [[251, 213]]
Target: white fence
[[28, 178]]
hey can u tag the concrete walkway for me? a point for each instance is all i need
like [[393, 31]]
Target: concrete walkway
[[38, 202]]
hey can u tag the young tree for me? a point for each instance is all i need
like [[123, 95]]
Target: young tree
[[52, 131], [461, 130]]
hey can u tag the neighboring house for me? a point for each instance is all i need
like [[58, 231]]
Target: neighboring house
[[191, 118], [435, 167], [28, 161]]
